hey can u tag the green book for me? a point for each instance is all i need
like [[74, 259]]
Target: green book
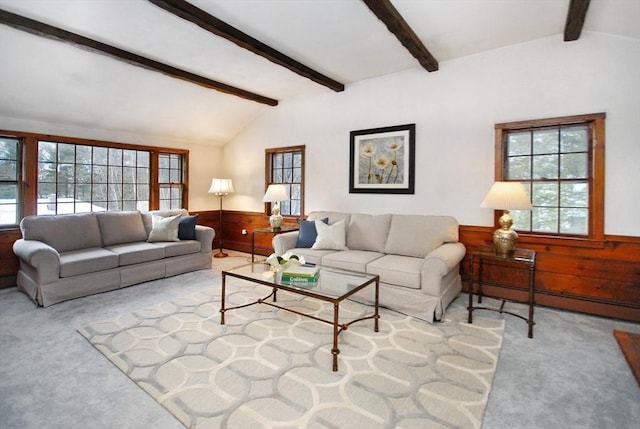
[[300, 271], [299, 280]]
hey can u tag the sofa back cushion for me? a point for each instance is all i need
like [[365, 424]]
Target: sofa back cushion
[[418, 235], [121, 227], [332, 216], [63, 232], [368, 232]]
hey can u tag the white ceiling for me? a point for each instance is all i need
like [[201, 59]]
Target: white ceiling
[[50, 81]]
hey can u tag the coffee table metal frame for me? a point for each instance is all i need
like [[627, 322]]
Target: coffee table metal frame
[[254, 273]]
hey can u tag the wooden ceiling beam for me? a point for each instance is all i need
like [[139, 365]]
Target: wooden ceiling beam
[[396, 24], [191, 13], [576, 15], [50, 32]]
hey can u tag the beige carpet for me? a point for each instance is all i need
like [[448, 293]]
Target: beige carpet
[[272, 368]]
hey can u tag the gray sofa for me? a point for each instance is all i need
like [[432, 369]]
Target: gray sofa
[[69, 256], [416, 256]]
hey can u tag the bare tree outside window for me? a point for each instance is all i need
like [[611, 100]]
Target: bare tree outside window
[[75, 178]]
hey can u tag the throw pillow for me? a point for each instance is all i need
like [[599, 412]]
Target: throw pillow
[[187, 227], [331, 237], [164, 229], [307, 233]]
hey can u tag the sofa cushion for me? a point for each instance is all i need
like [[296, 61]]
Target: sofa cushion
[[121, 227], [307, 232], [187, 227], [91, 260], [61, 231], [164, 228], [398, 270], [179, 248], [136, 253], [368, 232], [353, 260], [417, 235], [332, 237]]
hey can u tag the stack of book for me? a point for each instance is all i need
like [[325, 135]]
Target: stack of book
[[300, 274]]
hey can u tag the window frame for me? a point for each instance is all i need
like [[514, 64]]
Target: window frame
[[180, 185], [28, 170], [18, 179], [268, 177], [596, 123]]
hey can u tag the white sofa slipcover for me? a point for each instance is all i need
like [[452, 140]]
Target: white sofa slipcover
[[69, 256], [416, 256]]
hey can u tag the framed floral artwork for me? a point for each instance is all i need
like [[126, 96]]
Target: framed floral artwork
[[383, 160]]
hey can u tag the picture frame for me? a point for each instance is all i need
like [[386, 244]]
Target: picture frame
[[382, 160]]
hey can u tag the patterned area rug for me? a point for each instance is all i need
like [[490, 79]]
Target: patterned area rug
[[271, 368]]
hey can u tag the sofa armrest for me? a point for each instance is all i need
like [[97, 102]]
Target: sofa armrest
[[44, 259], [285, 241], [205, 235], [438, 263], [445, 257]]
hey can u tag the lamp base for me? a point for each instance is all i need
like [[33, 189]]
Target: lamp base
[[275, 220], [504, 240], [220, 254]]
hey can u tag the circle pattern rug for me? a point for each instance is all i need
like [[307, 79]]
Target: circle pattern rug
[[272, 368]]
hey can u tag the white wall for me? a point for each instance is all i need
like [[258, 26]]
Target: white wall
[[455, 110]]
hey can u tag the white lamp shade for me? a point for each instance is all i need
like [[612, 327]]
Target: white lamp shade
[[221, 187], [507, 196], [275, 193]]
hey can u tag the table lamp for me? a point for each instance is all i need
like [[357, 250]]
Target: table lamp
[[275, 194], [506, 196]]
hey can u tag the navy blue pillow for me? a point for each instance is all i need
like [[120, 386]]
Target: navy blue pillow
[[187, 227], [307, 233]]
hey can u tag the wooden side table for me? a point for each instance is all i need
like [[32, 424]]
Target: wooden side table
[[519, 258], [267, 231]]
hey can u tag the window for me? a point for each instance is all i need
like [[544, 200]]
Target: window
[[286, 166], [9, 181], [76, 178], [170, 180], [560, 161], [43, 174]]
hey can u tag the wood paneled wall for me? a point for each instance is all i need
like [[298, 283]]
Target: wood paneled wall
[[600, 280], [233, 224], [8, 261]]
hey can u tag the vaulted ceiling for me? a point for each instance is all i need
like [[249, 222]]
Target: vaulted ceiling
[[296, 49]]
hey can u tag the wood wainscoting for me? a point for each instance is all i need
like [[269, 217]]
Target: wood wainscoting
[[602, 279], [8, 261], [233, 224], [599, 279]]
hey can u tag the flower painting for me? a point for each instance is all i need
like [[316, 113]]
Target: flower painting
[[382, 160]]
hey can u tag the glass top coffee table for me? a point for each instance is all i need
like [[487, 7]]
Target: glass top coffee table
[[333, 285]]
